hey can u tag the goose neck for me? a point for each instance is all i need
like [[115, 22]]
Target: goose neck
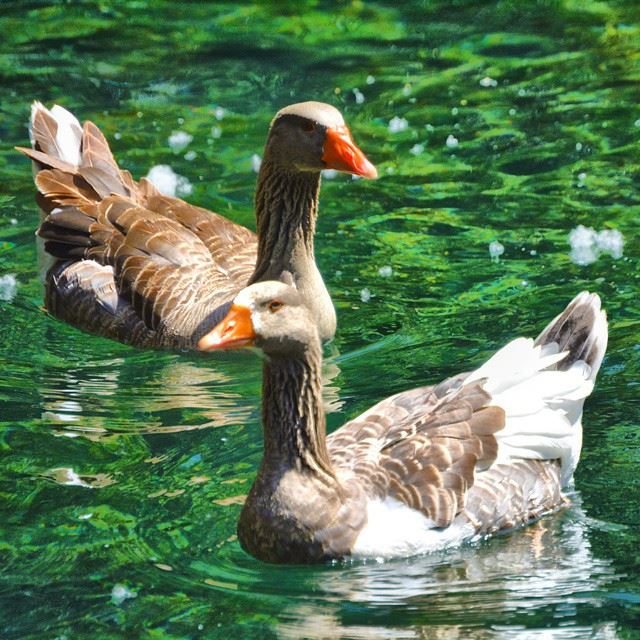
[[286, 212], [293, 415]]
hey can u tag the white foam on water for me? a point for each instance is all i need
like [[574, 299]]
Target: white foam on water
[[168, 182], [397, 124], [496, 249], [256, 162], [8, 287], [452, 142], [178, 140], [587, 244], [120, 593], [488, 82]]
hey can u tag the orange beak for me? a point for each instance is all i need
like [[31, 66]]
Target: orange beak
[[233, 332], [340, 153]]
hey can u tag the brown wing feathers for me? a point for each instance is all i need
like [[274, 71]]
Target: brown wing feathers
[[432, 470], [423, 447]]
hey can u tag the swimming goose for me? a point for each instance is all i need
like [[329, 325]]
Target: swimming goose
[[152, 270], [424, 469]]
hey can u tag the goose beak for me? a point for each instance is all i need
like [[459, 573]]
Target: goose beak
[[341, 153], [233, 332]]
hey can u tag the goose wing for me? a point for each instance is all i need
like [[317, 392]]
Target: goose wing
[[172, 262], [422, 447]]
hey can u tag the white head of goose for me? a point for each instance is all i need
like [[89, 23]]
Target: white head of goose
[[424, 469], [152, 270]]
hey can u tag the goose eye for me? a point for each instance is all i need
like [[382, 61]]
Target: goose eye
[[275, 305], [308, 126]]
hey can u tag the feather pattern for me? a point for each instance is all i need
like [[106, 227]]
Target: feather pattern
[[424, 469], [175, 267]]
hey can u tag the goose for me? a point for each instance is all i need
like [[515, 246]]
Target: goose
[[422, 470], [154, 271]]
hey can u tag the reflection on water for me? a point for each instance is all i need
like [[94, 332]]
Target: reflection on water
[[547, 566], [84, 401]]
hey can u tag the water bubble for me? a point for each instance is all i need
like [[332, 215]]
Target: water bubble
[[582, 176], [488, 82], [256, 161], [168, 182], [359, 96], [216, 132], [496, 249], [219, 113], [365, 295], [370, 80], [611, 241], [178, 140], [397, 124], [8, 287], [452, 141], [120, 593], [587, 244]]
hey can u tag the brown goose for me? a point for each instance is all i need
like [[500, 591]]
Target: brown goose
[[424, 469], [152, 270]]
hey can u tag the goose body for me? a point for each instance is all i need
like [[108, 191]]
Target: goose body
[[424, 469], [152, 270]]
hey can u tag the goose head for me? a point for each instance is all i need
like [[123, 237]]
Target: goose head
[[268, 315], [312, 136]]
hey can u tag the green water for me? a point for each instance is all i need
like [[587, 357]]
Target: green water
[[121, 470]]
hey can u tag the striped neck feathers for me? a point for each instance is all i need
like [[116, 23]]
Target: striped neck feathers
[[286, 211], [293, 415]]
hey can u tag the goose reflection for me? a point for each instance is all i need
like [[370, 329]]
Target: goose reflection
[[157, 393], [547, 565]]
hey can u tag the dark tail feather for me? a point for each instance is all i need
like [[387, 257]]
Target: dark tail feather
[[581, 329]]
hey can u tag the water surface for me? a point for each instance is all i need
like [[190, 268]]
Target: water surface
[[122, 471]]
